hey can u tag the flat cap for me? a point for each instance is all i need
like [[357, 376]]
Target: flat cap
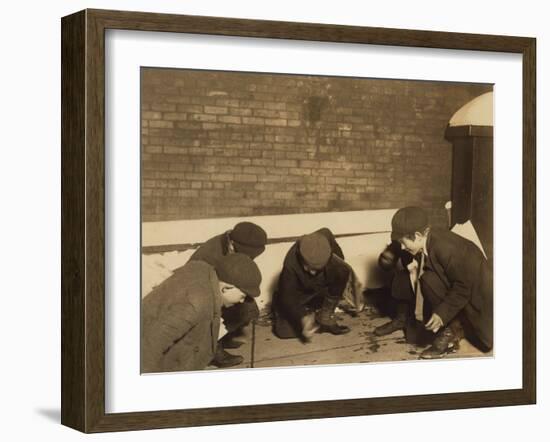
[[315, 250], [407, 221], [239, 270], [248, 238]]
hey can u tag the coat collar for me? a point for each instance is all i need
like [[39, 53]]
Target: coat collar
[[429, 243]]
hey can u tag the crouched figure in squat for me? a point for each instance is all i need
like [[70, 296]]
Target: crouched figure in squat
[[311, 284], [180, 319], [455, 282], [249, 239]]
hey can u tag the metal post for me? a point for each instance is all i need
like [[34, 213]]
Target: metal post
[[253, 344]]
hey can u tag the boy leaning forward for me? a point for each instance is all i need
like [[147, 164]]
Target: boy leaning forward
[[455, 281]]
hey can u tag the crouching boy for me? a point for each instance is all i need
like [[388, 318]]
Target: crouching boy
[[455, 281], [180, 319], [247, 238], [311, 284]]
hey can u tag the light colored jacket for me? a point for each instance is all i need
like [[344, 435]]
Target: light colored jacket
[[180, 320]]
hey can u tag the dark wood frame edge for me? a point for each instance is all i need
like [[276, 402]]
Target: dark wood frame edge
[[83, 234]]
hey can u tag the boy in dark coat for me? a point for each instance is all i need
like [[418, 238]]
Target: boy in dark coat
[[180, 318], [311, 284], [247, 238], [455, 281], [400, 262]]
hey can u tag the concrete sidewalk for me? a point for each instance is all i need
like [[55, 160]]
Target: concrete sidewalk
[[358, 346]]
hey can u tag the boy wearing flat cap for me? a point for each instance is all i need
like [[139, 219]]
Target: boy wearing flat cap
[[455, 281], [311, 284], [247, 238], [180, 318]]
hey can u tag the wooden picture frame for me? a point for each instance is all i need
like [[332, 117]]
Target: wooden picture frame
[[83, 220]]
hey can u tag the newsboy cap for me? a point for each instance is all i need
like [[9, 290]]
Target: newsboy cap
[[315, 250], [407, 221], [248, 238], [239, 270]]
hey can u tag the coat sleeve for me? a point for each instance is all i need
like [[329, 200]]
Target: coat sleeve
[[289, 293], [460, 272]]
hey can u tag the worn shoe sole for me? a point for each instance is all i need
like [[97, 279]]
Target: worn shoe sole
[[228, 363], [341, 331]]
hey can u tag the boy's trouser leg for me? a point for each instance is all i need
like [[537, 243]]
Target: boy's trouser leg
[[282, 328], [401, 288], [235, 318], [285, 324], [401, 291], [397, 323], [240, 315], [338, 276], [448, 337], [476, 337]]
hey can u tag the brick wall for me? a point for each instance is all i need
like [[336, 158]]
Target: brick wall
[[220, 144]]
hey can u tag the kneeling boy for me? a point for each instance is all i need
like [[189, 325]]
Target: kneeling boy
[[311, 284], [180, 319], [455, 280]]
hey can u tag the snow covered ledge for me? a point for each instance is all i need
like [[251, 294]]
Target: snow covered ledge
[[361, 234]]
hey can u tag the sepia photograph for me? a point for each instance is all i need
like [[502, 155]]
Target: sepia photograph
[[251, 206], [297, 220]]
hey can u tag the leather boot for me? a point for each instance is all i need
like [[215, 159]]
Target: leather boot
[[397, 323], [222, 359], [445, 342], [228, 341], [327, 319]]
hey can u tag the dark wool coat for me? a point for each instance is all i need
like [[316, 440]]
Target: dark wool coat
[[297, 287], [212, 250], [180, 320], [458, 280]]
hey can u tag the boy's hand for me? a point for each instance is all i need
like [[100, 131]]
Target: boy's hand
[[309, 326], [435, 323], [388, 258]]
